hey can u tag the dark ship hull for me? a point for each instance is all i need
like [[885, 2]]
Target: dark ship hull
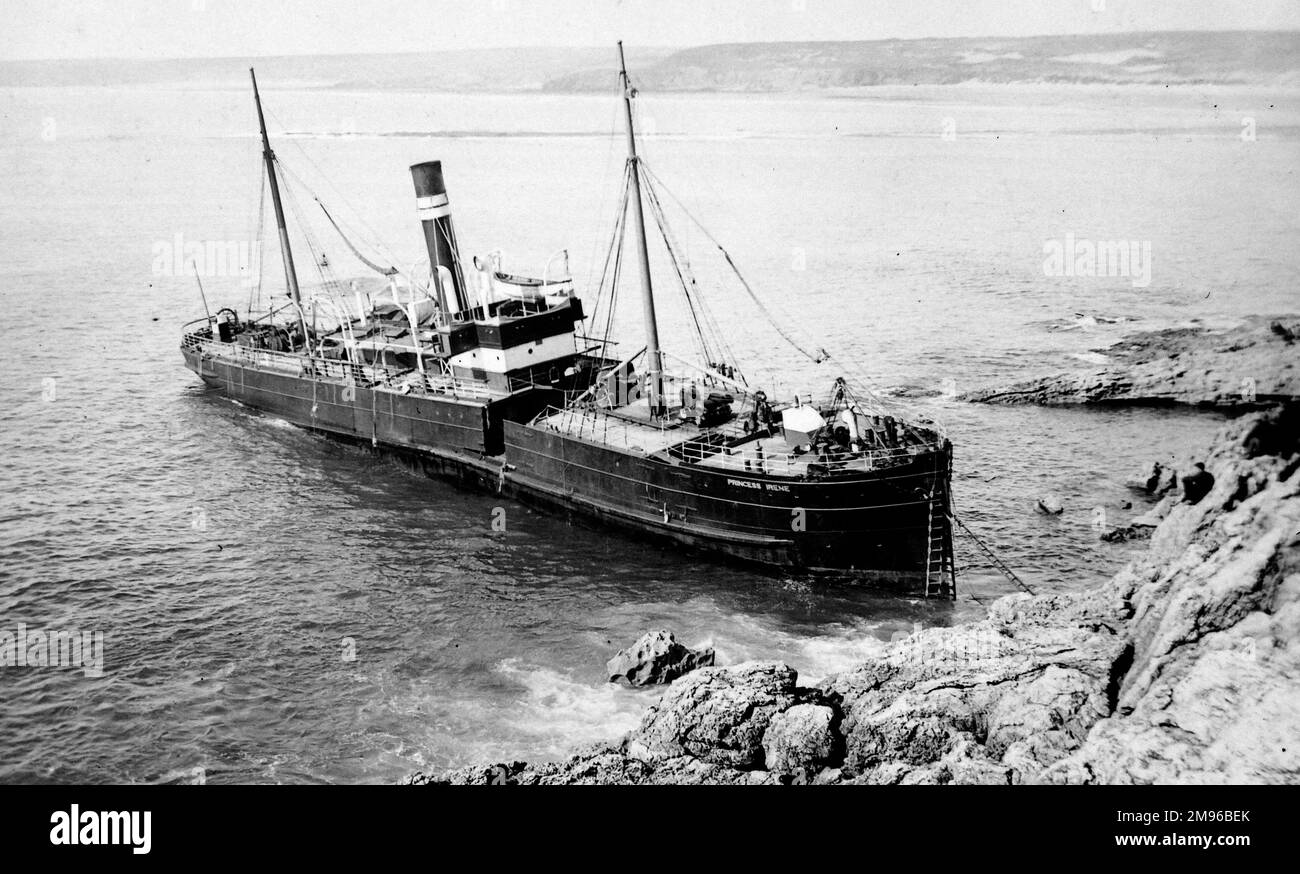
[[481, 376], [878, 526]]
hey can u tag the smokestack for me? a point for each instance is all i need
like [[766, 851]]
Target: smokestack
[[439, 236]]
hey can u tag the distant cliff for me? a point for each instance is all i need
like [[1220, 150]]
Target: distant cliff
[[1264, 57], [1135, 58]]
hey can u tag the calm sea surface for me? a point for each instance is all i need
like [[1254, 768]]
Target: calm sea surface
[[226, 555]]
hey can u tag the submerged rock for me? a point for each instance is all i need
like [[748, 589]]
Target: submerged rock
[[656, 658], [1049, 505]]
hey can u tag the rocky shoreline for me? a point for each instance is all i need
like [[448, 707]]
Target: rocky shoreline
[[1246, 367], [1184, 668]]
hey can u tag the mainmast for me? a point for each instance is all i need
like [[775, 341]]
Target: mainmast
[[290, 275], [653, 355]]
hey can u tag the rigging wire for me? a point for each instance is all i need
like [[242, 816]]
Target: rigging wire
[[817, 357], [604, 189], [255, 281], [384, 271], [699, 309], [682, 271], [594, 315], [616, 250], [341, 197], [383, 250], [329, 283], [821, 355], [375, 241]]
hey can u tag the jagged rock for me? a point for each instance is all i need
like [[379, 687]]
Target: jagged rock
[[718, 715], [800, 740], [1156, 482], [656, 658], [1212, 694], [1122, 533], [1244, 367], [1142, 527], [1035, 662], [495, 774], [1184, 667], [1153, 517]]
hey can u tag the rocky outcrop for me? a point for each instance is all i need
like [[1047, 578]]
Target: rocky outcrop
[[1184, 668], [718, 715], [656, 658], [802, 741], [1246, 367], [1143, 526], [1156, 482]]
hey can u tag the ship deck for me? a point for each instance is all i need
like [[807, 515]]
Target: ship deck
[[372, 376], [727, 447]]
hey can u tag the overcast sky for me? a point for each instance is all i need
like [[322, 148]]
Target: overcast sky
[[221, 28]]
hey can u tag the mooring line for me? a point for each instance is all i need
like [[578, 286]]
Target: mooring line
[[993, 557]]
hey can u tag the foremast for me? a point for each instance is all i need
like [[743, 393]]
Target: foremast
[[286, 253], [654, 357]]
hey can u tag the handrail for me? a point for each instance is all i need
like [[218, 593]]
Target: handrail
[[694, 451], [331, 368]]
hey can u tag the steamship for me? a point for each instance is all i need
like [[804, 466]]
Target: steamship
[[503, 382]]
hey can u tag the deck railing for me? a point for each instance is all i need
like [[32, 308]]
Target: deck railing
[[405, 381], [744, 457]]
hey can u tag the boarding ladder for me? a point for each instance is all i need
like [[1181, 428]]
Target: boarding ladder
[[940, 566]]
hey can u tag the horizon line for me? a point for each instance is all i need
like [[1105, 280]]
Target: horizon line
[[375, 53]]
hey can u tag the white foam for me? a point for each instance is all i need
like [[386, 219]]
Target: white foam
[[572, 712], [830, 649]]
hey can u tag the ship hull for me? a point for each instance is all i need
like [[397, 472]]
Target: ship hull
[[875, 526]]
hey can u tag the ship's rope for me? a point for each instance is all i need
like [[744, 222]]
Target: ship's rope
[[709, 337], [726, 358], [383, 271], [681, 270], [330, 287], [617, 271], [374, 239], [604, 190], [611, 269], [992, 556], [288, 195], [819, 356], [255, 287]]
